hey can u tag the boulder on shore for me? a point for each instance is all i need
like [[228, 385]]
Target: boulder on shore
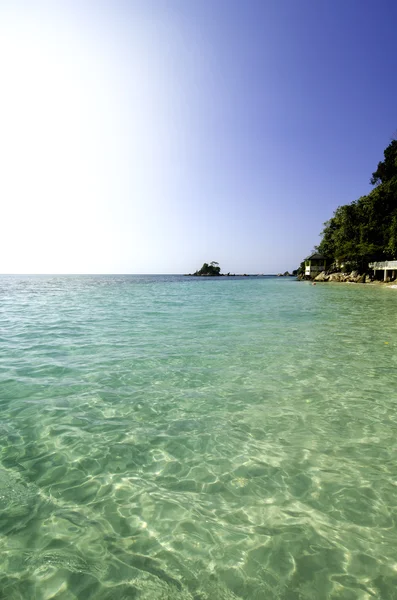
[[322, 276], [353, 277], [337, 277]]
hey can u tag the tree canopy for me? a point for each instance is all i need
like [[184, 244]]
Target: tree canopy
[[387, 168], [211, 270], [366, 230]]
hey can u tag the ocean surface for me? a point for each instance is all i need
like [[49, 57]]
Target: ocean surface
[[176, 438]]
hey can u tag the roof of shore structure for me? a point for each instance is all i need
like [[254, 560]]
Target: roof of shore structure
[[314, 256]]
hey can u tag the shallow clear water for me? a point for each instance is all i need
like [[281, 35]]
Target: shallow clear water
[[177, 438]]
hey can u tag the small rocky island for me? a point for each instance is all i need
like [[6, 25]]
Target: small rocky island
[[208, 270]]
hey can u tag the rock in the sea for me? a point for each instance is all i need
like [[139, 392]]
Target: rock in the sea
[[322, 276], [335, 277], [354, 277]]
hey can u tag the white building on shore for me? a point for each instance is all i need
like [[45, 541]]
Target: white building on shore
[[314, 264], [389, 268]]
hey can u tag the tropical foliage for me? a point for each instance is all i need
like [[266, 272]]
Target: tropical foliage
[[210, 270], [366, 230]]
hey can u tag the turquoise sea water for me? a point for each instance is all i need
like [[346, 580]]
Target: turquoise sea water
[[179, 438]]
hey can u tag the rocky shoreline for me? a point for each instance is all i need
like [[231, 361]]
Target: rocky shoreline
[[353, 277]]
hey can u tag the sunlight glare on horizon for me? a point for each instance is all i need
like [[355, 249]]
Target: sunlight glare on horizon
[[150, 136], [80, 114]]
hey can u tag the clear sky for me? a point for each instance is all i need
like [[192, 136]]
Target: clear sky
[[151, 136]]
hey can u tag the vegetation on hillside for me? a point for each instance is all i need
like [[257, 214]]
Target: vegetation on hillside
[[209, 270], [366, 230]]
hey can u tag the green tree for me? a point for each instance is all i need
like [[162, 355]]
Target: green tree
[[366, 230], [387, 168], [211, 269], [392, 243]]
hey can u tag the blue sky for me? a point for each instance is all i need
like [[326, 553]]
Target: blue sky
[[151, 136]]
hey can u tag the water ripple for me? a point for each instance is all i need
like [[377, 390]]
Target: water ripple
[[197, 440]]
